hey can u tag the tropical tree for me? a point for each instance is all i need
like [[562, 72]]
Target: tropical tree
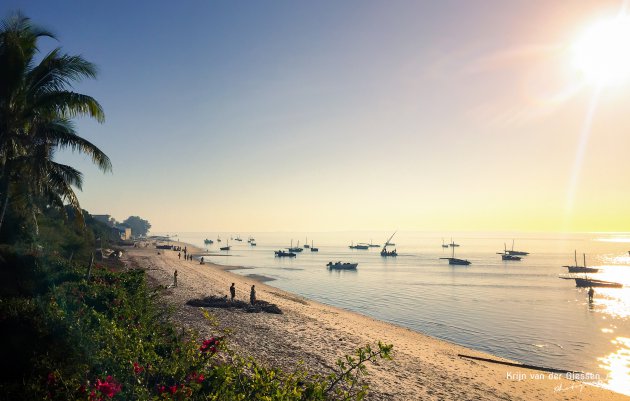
[[37, 106], [138, 225]]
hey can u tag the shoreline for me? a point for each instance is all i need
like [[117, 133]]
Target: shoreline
[[423, 367]]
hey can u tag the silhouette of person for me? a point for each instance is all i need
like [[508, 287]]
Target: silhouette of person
[[201, 261], [591, 292], [179, 255], [252, 295], [232, 292], [175, 279]]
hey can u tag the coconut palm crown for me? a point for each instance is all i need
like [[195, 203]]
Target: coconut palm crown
[[37, 106]]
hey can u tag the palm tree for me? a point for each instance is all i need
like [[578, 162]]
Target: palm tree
[[37, 106]]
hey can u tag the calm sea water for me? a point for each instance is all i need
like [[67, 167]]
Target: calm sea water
[[515, 309]]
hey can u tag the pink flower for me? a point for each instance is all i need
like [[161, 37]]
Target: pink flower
[[137, 368], [109, 387], [173, 389], [209, 345], [200, 379]]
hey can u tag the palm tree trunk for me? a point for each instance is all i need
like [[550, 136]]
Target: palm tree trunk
[[36, 225]]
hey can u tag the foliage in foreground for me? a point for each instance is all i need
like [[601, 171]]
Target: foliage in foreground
[[71, 339]]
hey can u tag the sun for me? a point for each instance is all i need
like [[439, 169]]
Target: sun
[[602, 52]]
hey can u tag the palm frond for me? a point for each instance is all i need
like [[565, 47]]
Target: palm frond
[[58, 71], [69, 104], [69, 175]]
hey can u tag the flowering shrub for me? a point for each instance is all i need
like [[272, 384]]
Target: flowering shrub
[[108, 339]]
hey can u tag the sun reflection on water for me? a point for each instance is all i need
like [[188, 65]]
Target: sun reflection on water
[[617, 365]]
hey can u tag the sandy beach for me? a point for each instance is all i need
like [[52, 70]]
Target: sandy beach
[[422, 367]]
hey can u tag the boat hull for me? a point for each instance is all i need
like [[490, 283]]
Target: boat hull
[[581, 269], [283, 254], [457, 262], [583, 282], [342, 266]]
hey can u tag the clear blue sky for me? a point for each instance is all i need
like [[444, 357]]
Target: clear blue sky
[[328, 115]]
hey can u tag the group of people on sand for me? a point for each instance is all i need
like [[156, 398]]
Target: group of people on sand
[[252, 294]]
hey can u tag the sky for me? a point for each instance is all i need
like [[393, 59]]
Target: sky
[[354, 115]]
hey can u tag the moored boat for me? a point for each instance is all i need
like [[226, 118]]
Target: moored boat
[[313, 249], [296, 249], [506, 256], [342, 266], [455, 261], [208, 241], [513, 252], [284, 254], [587, 282], [581, 269]]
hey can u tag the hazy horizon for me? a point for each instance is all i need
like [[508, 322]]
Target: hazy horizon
[[359, 116]]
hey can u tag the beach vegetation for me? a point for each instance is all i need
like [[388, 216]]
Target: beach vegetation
[[70, 337]]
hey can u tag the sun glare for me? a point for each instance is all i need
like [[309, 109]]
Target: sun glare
[[602, 52]]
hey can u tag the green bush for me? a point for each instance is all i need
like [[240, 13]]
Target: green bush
[[109, 339]]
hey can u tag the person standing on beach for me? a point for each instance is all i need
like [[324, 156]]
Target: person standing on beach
[[201, 261], [591, 292], [252, 295], [179, 256], [232, 292], [175, 279]]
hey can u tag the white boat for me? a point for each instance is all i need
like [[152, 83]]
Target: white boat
[[342, 266]]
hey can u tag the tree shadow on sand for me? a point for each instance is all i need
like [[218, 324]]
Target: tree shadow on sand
[[218, 302]]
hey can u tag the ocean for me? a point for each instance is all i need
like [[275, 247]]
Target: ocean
[[515, 309]]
